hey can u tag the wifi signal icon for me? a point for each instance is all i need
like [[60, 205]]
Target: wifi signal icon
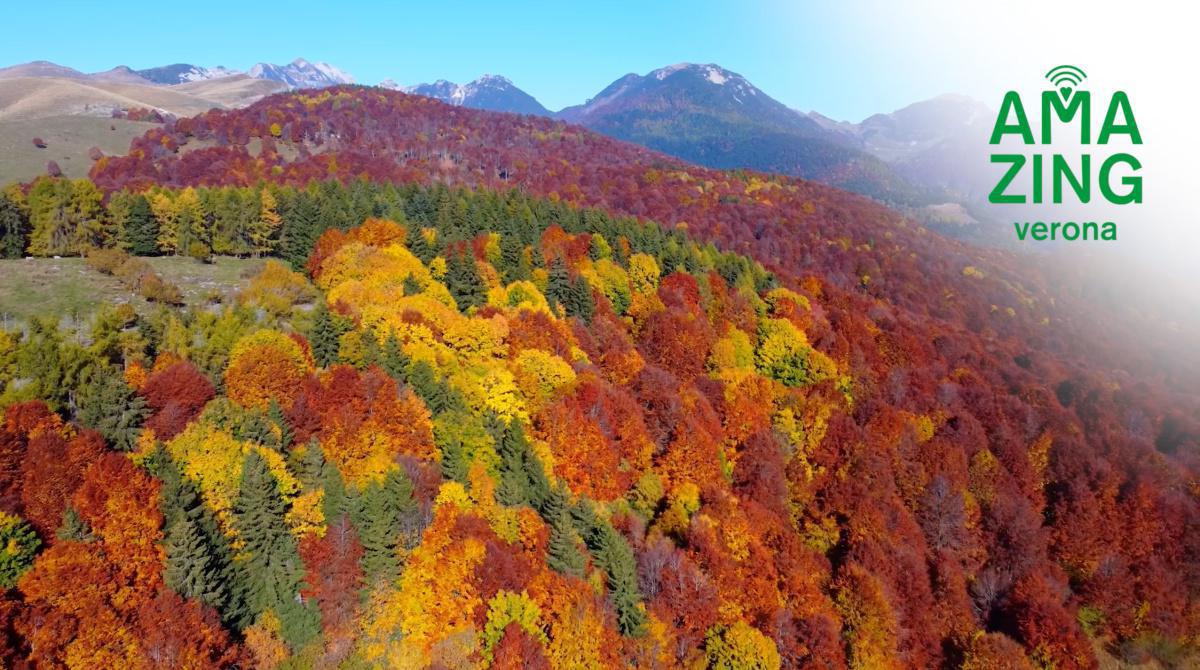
[[1066, 78]]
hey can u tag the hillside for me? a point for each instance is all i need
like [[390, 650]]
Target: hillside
[[40, 97], [901, 449], [233, 91], [69, 140], [73, 115], [799, 226]]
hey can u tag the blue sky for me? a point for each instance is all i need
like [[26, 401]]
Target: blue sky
[[824, 57]]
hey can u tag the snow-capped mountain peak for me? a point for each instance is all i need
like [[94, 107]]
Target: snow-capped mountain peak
[[300, 73], [490, 91], [182, 73]]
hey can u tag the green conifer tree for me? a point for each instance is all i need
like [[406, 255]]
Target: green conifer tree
[[522, 479], [558, 284], [564, 555], [387, 520], [116, 411], [325, 335], [393, 360], [139, 230], [191, 569], [579, 300], [419, 246], [14, 228], [199, 560], [300, 230], [283, 439], [462, 278], [270, 559]]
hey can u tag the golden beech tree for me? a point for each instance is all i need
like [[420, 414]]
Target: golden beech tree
[[437, 596], [264, 366], [366, 423]]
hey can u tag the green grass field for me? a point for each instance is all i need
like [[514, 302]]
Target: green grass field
[[68, 287], [68, 139]]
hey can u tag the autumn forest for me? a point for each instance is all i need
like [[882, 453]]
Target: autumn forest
[[505, 393]]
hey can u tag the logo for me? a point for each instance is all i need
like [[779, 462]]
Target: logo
[[1070, 179], [1066, 74]]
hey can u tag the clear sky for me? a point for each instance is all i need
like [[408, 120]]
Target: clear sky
[[807, 55]]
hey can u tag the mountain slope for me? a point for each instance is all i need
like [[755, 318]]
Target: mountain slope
[[990, 432], [39, 97], [236, 90], [490, 92], [937, 141], [120, 74], [711, 116]]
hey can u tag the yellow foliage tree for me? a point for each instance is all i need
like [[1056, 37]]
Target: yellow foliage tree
[[517, 296], [740, 647], [644, 273], [540, 375]]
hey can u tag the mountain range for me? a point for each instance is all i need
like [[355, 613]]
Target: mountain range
[[921, 158]]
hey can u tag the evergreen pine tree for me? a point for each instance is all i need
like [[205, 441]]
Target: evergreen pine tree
[[522, 479], [371, 353], [276, 416], [256, 428], [338, 501], [419, 246], [325, 335], [300, 230], [438, 396], [308, 463], [454, 461], [199, 560], [579, 300], [387, 521], [271, 565], [393, 360], [558, 284], [14, 228], [116, 411], [139, 231], [616, 557], [462, 278], [512, 253], [190, 568], [563, 553], [411, 286]]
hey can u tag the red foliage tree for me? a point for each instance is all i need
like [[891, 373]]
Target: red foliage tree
[[176, 395]]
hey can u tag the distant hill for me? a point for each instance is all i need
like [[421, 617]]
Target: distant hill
[[490, 92], [232, 91], [40, 68], [36, 97], [937, 142]]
